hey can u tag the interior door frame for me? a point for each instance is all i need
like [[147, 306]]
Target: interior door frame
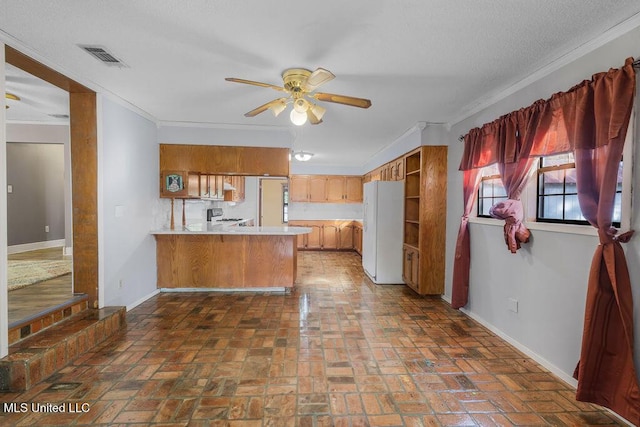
[[83, 143]]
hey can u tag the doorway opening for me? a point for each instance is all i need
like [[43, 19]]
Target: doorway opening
[[274, 202]]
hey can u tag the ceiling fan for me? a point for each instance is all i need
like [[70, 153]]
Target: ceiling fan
[[300, 84]]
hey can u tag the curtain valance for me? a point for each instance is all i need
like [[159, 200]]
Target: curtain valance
[[590, 114]]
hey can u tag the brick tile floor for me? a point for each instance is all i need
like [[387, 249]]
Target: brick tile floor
[[336, 351]]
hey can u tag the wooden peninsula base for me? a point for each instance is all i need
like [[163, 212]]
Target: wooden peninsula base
[[226, 260]]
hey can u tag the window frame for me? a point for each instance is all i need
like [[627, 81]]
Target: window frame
[[493, 198]]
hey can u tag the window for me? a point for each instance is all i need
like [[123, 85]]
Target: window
[[285, 203], [557, 195], [491, 190]]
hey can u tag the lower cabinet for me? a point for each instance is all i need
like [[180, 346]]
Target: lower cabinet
[[411, 267], [330, 235], [357, 237]]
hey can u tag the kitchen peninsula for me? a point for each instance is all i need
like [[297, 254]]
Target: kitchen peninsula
[[225, 257]]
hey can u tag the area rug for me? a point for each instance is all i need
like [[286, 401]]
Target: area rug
[[25, 273]]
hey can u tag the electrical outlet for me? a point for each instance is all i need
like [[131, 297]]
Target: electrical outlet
[[512, 304], [46, 228], [9, 188]]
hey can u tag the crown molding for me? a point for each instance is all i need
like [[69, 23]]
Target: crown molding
[[582, 50]]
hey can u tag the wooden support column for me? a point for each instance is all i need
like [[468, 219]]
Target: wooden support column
[[84, 181]]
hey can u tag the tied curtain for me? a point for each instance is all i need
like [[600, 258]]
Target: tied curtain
[[590, 120]]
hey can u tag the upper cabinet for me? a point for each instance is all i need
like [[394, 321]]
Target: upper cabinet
[[234, 188], [225, 160], [200, 171], [325, 189]]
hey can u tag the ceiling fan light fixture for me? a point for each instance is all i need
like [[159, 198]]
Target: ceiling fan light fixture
[[317, 111], [298, 118], [301, 105], [278, 107], [302, 156]]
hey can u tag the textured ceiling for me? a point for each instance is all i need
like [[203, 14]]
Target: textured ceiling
[[417, 60]]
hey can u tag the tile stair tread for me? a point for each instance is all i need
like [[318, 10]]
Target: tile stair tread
[[40, 342]]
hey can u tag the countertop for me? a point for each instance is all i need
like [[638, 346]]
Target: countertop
[[217, 228]]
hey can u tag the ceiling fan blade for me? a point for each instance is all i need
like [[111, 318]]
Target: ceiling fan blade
[[317, 78], [264, 107], [251, 82], [342, 99]]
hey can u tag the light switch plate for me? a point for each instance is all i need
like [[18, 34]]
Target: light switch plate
[[512, 304], [9, 188]]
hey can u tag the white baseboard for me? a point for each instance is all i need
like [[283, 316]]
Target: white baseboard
[[15, 249], [267, 289], [141, 300], [524, 349]]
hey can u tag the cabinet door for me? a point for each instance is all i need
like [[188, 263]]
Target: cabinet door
[[193, 185], [357, 239], [329, 237], [410, 267], [237, 182], [314, 239], [353, 189], [217, 186], [174, 184], [298, 188], [236, 195], [345, 234], [335, 189], [400, 169], [317, 189]]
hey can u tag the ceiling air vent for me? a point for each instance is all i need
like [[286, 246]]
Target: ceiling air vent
[[103, 55]]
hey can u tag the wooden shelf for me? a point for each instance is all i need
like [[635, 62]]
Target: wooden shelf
[[424, 219]]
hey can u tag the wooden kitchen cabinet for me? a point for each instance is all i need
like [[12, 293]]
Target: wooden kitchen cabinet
[[308, 188], [212, 187], [313, 240], [345, 236], [411, 267], [298, 188], [174, 184], [225, 160], [357, 237], [335, 189], [237, 194], [317, 189], [330, 237], [325, 188], [400, 169], [353, 189]]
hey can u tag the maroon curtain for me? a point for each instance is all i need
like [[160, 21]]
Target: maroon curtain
[[462, 260], [520, 132], [591, 120], [596, 115]]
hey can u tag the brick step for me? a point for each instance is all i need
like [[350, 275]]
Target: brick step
[[37, 357], [33, 324]]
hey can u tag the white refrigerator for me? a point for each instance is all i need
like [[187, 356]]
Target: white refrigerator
[[382, 231]]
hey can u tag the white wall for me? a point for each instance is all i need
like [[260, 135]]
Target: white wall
[[549, 275], [54, 134], [128, 193]]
